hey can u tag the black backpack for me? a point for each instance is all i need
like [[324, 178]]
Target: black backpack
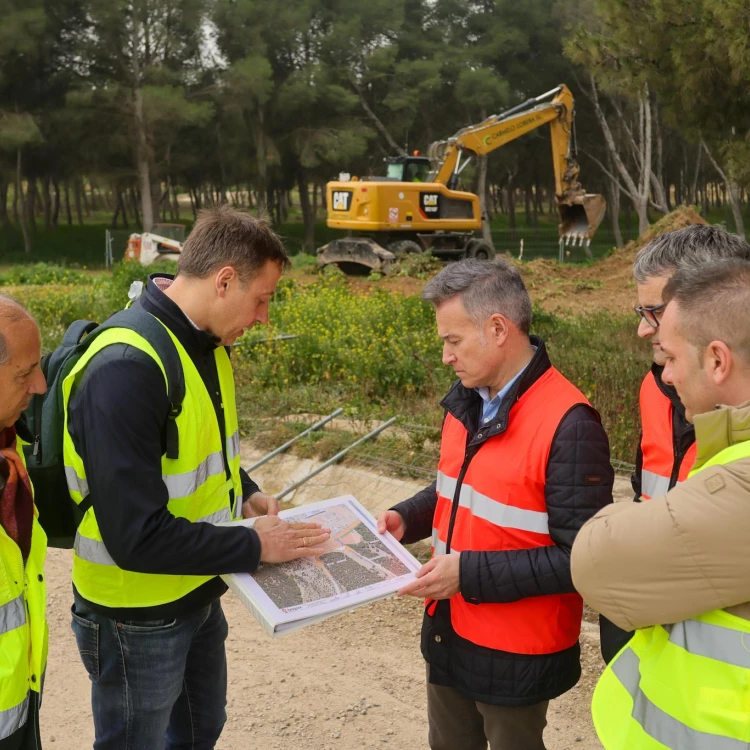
[[59, 515]]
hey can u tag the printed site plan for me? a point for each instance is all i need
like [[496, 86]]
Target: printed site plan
[[355, 566]]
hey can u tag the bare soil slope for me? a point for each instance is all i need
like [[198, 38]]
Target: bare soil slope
[[566, 289]]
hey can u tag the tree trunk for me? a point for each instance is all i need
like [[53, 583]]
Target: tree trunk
[[261, 164], [482, 193], [15, 204], [308, 218], [4, 218], [733, 194], [22, 201], [56, 203], [77, 196], [511, 192], [86, 206], [142, 149], [134, 208], [117, 212], [31, 203], [47, 201], [613, 206], [67, 202], [175, 204], [123, 208], [527, 205]]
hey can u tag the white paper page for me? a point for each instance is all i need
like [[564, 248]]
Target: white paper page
[[355, 566]]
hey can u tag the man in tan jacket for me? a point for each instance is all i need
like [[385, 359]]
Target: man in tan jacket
[[677, 569]]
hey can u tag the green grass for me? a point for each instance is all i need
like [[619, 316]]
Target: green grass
[[377, 355]]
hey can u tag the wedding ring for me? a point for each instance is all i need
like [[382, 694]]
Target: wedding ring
[[304, 541]]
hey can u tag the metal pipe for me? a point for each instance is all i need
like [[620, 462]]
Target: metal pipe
[[282, 448], [333, 460]]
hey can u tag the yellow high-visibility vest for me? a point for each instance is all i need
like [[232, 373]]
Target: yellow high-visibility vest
[[197, 482], [23, 625], [684, 686]]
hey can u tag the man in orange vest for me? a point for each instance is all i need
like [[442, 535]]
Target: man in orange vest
[[524, 463], [666, 451]]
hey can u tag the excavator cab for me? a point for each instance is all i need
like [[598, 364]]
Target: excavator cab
[[408, 168]]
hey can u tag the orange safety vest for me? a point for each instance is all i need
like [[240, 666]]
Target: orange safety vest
[[502, 506], [657, 443]]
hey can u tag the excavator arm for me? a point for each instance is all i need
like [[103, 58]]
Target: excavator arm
[[580, 213]]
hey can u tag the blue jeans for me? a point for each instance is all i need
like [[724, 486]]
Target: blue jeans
[[156, 684]]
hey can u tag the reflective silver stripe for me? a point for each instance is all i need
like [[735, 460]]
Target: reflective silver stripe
[[491, 510], [233, 445], [438, 545], [654, 485], [12, 719], [219, 517], [76, 483], [712, 641], [435, 538], [12, 615], [182, 485], [658, 723], [91, 550]]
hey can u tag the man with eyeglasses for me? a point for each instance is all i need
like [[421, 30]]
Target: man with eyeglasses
[[666, 451]]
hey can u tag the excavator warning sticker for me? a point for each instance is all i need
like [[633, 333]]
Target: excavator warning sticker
[[429, 205], [393, 215], [342, 200]]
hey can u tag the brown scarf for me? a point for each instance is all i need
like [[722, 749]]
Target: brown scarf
[[16, 500]]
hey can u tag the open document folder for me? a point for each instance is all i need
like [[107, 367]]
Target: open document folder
[[355, 566]]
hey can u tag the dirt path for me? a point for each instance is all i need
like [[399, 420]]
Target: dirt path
[[353, 682]]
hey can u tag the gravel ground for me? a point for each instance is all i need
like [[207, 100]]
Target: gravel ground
[[354, 681]]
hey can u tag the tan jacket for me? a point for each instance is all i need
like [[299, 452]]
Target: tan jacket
[[678, 556]]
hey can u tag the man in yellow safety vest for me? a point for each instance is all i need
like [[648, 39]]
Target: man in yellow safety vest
[[676, 569], [147, 610], [23, 543]]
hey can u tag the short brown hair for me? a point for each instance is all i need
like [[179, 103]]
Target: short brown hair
[[223, 236], [714, 304]]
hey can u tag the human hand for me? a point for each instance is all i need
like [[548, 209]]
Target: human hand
[[281, 541], [437, 579], [260, 504], [393, 521]]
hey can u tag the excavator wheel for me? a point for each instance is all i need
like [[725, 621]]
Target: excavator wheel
[[404, 247], [480, 250]]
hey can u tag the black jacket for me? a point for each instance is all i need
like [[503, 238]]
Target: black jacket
[[683, 435], [118, 414], [578, 483]]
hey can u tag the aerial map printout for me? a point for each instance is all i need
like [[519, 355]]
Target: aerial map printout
[[355, 566]]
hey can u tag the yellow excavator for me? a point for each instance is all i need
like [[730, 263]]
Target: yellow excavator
[[416, 206]]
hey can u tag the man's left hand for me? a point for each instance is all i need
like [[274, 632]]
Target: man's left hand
[[438, 579], [260, 504]]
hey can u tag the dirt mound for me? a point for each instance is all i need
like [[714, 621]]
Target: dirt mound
[[605, 285], [563, 289]]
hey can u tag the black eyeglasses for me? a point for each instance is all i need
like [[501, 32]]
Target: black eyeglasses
[[649, 314]]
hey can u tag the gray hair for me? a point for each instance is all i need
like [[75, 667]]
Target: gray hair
[[12, 311], [485, 288], [690, 248], [714, 304]]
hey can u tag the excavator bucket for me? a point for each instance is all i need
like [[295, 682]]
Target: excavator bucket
[[580, 217]]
